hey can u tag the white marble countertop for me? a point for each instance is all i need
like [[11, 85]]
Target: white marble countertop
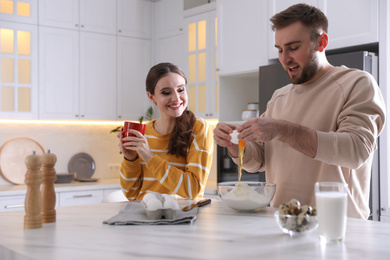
[[218, 233]]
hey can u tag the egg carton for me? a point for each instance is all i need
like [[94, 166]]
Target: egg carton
[[159, 206]]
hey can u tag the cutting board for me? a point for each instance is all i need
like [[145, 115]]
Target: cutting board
[[12, 156]]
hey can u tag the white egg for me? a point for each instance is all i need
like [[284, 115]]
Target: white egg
[[166, 196], [171, 204], [153, 204], [148, 196], [234, 138]]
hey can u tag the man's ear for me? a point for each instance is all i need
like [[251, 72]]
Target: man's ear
[[323, 42]]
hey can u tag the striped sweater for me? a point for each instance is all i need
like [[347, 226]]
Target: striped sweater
[[167, 173]]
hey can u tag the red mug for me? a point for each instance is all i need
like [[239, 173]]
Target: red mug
[[131, 125]]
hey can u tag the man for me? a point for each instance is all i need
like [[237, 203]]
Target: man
[[321, 127]]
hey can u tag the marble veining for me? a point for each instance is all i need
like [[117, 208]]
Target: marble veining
[[218, 233]]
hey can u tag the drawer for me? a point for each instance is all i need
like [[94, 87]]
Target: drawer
[[74, 198], [10, 203]]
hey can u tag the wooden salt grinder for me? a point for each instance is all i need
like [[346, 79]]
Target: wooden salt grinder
[[33, 201], [48, 192]]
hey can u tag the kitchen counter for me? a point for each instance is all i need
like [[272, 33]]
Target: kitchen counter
[[218, 233]]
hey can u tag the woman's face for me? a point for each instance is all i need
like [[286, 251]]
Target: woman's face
[[170, 95]]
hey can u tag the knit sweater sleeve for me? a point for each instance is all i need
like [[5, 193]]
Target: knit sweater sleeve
[[190, 182], [360, 122], [131, 178]]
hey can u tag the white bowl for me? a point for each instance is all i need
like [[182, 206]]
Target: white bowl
[[246, 196]]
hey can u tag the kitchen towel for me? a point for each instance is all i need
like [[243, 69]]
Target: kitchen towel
[[134, 214]]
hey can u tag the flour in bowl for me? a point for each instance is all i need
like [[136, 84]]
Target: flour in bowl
[[245, 197]]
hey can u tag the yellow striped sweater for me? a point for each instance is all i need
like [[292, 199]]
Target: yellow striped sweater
[[167, 173]]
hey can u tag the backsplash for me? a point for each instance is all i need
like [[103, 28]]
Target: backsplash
[[68, 139]]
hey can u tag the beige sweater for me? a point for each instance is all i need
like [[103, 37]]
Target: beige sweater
[[346, 108]]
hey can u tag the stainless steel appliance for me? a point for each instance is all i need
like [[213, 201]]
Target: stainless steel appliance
[[272, 77]]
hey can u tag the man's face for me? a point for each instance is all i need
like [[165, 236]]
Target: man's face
[[297, 52]]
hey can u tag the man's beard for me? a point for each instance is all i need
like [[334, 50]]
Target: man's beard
[[308, 71]]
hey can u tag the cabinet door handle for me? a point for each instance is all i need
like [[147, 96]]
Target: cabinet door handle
[[82, 196], [82, 26], [14, 206], [120, 31]]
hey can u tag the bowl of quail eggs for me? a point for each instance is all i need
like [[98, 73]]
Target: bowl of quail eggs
[[294, 219]]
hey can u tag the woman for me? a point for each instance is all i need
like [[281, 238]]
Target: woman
[[175, 154]]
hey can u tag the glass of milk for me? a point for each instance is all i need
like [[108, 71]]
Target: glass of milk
[[331, 204]]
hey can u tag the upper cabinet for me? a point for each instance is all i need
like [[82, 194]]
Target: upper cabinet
[[85, 15], [77, 75], [351, 22], [170, 38], [134, 18], [201, 52], [59, 63], [242, 36], [133, 64], [23, 11], [18, 59], [169, 18], [94, 71], [18, 70]]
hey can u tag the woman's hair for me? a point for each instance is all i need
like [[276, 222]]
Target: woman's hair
[[309, 16], [181, 136]]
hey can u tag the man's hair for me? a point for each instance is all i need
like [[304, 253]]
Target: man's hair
[[309, 16]]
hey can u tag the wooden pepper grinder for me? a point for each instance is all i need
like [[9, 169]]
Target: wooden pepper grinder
[[48, 193], [33, 201]]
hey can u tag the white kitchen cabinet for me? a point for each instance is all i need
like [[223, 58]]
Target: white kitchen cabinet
[[134, 18], [351, 22], [170, 38], [107, 192], [98, 76], [171, 49], [59, 73], [242, 36], [23, 11], [201, 51], [16, 202], [77, 75], [169, 18], [85, 15], [133, 65], [11, 203], [18, 70], [75, 198]]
